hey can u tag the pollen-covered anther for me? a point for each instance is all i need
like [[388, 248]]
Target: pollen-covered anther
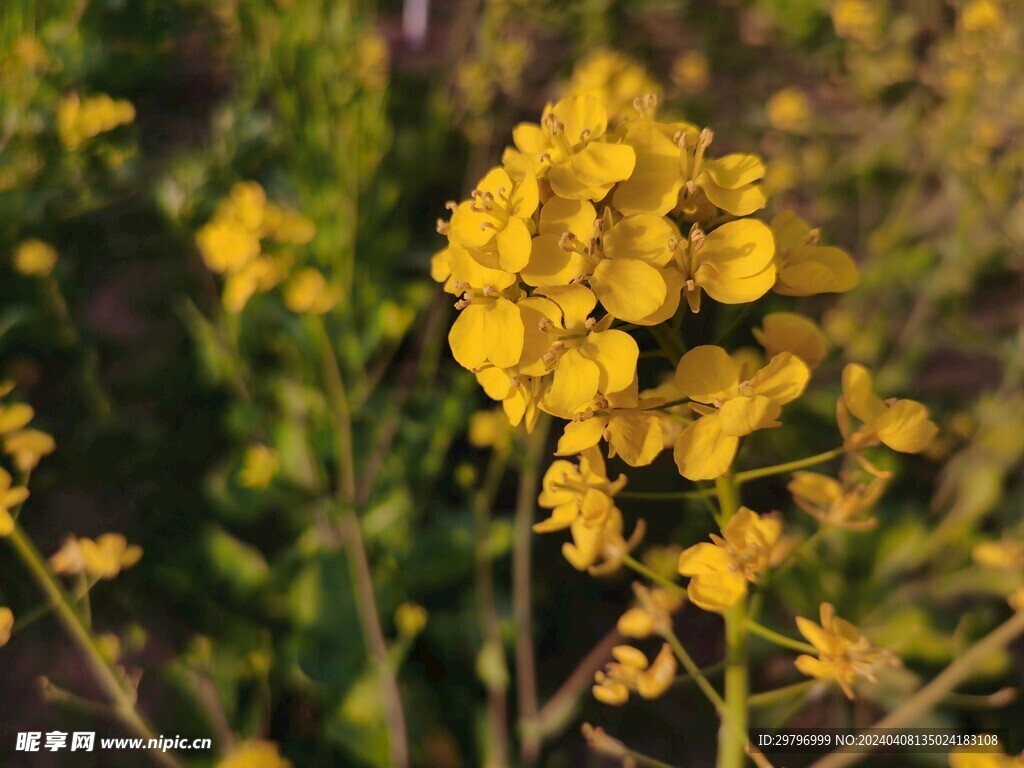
[[646, 105], [569, 242], [697, 238], [813, 237], [552, 124], [545, 325], [490, 290], [584, 134], [464, 302], [443, 227], [681, 138], [705, 138], [451, 205], [590, 323], [487, 225], [691, 285]]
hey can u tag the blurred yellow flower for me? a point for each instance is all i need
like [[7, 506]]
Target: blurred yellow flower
[[34, 258], [653, 615], [719, 571], [791, 332], [259, 466], [691, 71], [980, 15], [226, 245], [257, 276], [372, 60], [103, 558], [902, 425], [10, 496], [729, 406], [806, 268], [789, 110], [614, 79], [631, 671], [844, 653], [309, 293], [79, 120], [1005, 555], [6, 625], [844, 505], [27, 447], [255, 754], [599, 549], [859, 20], [14, 417], [410, 619]]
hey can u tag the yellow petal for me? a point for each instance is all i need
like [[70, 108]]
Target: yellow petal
[[783, 380], [674, 282], [635, 437], [704, 558], [707, 373], [15, 416], [791, 332], [859, 395], [581, 114], [525, 197], [743, 415], [560, 215], [734, 171], [616, 354], [530, 138], [6, 625], [644, 237], [575, 384], [550, 265], [466, 266], [739, 202], [655, 182], [736, 262], [905, 427], [717, 591], [791, 232], [495, 382], [599, 164], [811, 270], [536, 343], [504, 332], [580, 435], [513, 246], [472, 228], [575, 301], [815, 488], [703, 451], [658, 678], [630, 290], [560, 519]]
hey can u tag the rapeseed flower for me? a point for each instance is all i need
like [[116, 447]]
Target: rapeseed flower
[[632, 431], [843, 504], [520, 396], [652, 615], [103, 558], [791, 332], [612, 78], [599, 549], [27, 446], [568, 149], [806, 268], [632, 671], [844, 653], [902, 425], [10, 496], [577, 490], [259, 466], [789, 110], [34, 258], [729, 406], [719, 571], [79, 120], [308, 292], [496, 225]]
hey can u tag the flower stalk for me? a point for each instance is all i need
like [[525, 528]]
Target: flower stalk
[[733, 735]]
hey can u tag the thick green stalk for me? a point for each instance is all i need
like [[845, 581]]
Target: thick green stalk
[[732, 740]]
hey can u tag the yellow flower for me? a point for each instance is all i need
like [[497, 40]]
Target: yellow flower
[[599, 549], [410, 619], [791, 332], [859, 20], [308, 292], [103, 558], [10, 496], [489, 328], [284, 225], [633, 433], [257, 276], [34, 258], [806, 268], [789, 110], [612, 78], [568, 145], [980, 15], [490, 429], [719, 571], [27, 447], [520, 396], [245, 205], [255, 754], [14, 417], [691, 71], [844, 653], [902, 425], [227, 245], [672, 170], [496, 225], [573, 490], [6, 625], [729, 407], [631, 671], [585, 356], [78, 120], [733, 265], [653, 615], [258, 467], [1005, 555], [674, 418], [843, 505]]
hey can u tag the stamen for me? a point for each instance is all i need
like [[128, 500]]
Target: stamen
[[490, 290], [451, 205], [813, 237], [584, 134], [590, 323], [443, 227]]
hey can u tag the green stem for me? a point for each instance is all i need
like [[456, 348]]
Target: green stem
[[695, 672], [771, 698], [669, 342], [779, 639], [732, 741], [123, 701], [657, 578], [789, 466], [703, 493]]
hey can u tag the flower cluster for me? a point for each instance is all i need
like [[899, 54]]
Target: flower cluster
[[79, 120], [232, 244]]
